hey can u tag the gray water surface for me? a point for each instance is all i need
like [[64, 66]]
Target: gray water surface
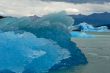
[[97, 51]]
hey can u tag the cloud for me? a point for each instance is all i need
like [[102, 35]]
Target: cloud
[[38, 7], [81, 1]]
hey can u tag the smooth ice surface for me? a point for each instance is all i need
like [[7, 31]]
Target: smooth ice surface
[[43, 44], [87, 27]]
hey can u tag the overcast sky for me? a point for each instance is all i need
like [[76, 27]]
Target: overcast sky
[[43, 7], [81, 1]]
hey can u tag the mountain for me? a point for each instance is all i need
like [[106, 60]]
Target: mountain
[[1, 17], [96, 19]]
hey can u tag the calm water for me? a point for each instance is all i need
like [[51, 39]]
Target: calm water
[[97, 51]]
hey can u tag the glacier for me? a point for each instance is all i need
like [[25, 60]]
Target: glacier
[[38, 45]]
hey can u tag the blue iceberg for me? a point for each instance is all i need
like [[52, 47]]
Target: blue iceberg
[[87, 27], [38, 46], [18, 51], [6, 71]]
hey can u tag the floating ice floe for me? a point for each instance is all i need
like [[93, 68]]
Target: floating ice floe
[[81, 35]]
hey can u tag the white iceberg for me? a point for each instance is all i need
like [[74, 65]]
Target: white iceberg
[[87, 27]]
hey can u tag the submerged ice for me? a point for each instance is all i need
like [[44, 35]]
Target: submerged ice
[[38, 46], [81, 35]]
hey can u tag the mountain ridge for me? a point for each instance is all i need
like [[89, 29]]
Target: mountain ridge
[[96, 19]]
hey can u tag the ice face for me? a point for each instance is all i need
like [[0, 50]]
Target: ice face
[[54, 51], [18, 51], [6, 71], [87, 27]]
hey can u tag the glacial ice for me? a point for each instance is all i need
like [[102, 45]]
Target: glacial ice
[[81, 35], [87, 27], [20, 50], [6, 71], [37, 46]]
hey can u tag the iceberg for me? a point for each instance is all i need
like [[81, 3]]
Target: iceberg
[[40, 45], [18, 51], [87, 27], [103, 29], [6, 71]]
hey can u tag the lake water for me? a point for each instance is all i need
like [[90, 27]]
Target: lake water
[[97, 51]]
